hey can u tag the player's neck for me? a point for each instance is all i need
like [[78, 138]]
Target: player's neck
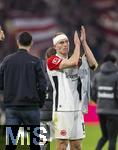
[[61, 55]]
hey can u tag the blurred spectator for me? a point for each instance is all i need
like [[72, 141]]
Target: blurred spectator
[[105, 94]]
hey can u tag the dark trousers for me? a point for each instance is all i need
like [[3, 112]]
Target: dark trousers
[[109, 129], [26, 116], [16, 117]]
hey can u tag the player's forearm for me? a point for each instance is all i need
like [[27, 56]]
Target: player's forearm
[[90, 57], [74, 59]]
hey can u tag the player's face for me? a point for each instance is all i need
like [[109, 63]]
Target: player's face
[[62, 47]]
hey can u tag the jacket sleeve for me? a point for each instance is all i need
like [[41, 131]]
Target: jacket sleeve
[[94, 89], [41, 83], [1, 77], [116, 91]]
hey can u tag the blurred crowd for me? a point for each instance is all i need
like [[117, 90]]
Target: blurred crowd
[[100, 17]]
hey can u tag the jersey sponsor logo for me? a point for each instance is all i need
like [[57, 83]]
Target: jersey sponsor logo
[[56, 60], [71, 73], [72, 76], [63, 132]]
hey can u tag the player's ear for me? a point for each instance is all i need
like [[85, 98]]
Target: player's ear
[[31, 43], [17, 42]]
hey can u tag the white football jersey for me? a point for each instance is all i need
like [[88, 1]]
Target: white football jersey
[[84, 73], [64, 82]]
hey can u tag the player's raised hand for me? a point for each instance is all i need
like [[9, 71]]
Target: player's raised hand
[[2, 36], [83, 35], [76, 38]]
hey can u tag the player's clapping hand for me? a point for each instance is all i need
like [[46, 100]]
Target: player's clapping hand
[[2, 36], [76, 39], [83, 35]]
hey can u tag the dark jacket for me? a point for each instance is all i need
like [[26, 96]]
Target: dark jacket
[[23, 80], [105, 89]]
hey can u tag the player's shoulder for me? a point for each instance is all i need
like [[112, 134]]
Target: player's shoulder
[[53, 62], [54, 59]]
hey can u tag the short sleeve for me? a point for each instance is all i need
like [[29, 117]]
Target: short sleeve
[[53, 62]]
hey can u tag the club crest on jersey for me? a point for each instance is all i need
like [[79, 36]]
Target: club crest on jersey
[[63, 132], [56, 60]]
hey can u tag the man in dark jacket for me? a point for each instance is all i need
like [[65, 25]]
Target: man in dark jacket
[[24, 84], [105, 93]]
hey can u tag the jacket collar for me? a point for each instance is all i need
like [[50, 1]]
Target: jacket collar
[[22, 50]]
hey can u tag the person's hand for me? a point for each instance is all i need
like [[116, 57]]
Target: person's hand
[[2, 36], [83, 35], [76, 39]]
